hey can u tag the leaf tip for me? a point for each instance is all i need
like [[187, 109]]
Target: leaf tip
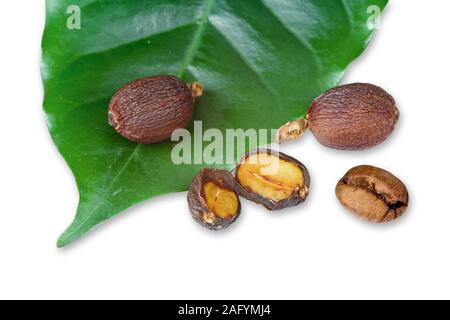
[[62, 242], [67, 238]]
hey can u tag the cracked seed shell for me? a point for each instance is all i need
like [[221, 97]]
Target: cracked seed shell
[[285, 186], [213, 200]]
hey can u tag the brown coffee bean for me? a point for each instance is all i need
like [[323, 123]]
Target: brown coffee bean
[[373, 194], [148, 110], [212, 199], [353, 117], [272, 179]]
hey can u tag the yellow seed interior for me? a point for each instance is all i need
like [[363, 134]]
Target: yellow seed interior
[[270, 176], [224, 203]]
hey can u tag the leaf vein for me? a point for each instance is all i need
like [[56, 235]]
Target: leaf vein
[[304, 42], [255, 72], [192, 50], [187, 61], [108, 190]]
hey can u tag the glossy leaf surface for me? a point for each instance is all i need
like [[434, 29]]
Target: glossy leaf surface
[[261, 62]]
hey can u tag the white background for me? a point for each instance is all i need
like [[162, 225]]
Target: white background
[[157, 251]]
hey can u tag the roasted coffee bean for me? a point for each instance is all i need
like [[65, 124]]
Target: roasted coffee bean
[[373, 194]]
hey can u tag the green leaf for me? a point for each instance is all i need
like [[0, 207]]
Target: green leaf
[[261, 62]]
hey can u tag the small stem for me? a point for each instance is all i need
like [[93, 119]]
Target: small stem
[[196, 88], [291, 131]]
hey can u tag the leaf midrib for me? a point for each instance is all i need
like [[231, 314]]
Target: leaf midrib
[[189, 57]]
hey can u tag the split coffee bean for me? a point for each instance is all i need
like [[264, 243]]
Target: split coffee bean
[[373, 194], [148, 110], [212, 199], [272, 179], [351, 117]]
